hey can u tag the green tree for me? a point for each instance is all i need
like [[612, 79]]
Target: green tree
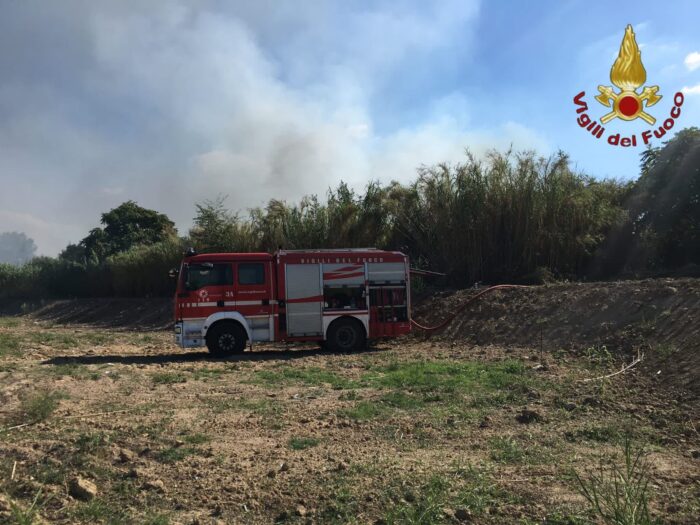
[[665, 203], [661, 232], [124, 227]]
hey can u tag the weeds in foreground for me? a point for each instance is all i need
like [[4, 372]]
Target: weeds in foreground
[[29, 515], [620, 494], [461, 494], [38, 407], [99, 511], [507, 450]]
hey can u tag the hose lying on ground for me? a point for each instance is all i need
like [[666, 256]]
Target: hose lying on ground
[[466, 303]]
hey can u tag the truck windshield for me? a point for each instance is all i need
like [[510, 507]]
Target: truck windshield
[[207, 274]]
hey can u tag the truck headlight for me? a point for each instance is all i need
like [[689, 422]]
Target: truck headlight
[[178, 329]]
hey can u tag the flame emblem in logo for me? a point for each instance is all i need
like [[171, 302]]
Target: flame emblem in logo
[[628, 74]]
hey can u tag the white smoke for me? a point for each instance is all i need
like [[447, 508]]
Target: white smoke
[[171, 103]]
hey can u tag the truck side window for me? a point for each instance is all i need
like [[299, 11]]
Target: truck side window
[[251, 273], [208, 274]]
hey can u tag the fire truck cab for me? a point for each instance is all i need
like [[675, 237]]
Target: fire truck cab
[[341, 298]]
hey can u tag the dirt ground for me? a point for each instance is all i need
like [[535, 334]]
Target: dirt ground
[[471, 426]]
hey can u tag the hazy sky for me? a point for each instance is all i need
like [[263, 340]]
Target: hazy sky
[[171, 102]]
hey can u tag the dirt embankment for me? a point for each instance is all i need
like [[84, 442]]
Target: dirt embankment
[[660, 317], [137, 313]]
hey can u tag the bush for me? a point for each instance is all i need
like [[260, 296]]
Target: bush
[[143, 270]]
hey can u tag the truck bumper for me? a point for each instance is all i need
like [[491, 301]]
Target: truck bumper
[[188, 336]]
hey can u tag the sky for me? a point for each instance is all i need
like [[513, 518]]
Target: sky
[[172, 102]]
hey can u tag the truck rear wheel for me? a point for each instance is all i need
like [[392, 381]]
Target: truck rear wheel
[[346, 335], [224, 339]]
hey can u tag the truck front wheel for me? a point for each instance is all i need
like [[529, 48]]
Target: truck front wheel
[[346, 335], [224, 339]]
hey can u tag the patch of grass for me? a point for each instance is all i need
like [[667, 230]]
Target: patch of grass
[[619, 493], [301, 443], [448, 377], [495, 399], [8, 367], [665, 350], [156, 518], [477, 491], [423, 506], [469, 490], [96, 338], [75, 371], [564, 518], [39, 406], [196, 439], [341, 505], [125, 488], [363, 411], [168, 378], [100, 511], [206, 374], [311, 376], [58, 340], [404, 401], [9, 344], [90, 443], [10, 322], [600, 433], [48, 472], [350, 395], [263, 407], [154, 430], [507, 450], [270, 410], [599, 355], [174, 454], [221, 404], [442, 387]]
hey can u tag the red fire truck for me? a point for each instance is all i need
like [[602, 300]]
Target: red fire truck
[[340, 298]]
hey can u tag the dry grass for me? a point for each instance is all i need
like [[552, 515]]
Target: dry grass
[[409, 432]]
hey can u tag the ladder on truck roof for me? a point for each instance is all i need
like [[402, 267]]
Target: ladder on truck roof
[[332, 250]]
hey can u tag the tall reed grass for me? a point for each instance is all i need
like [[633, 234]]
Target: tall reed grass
[[508, 217]]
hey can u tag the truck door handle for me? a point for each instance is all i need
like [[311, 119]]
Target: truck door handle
[[265, 302]]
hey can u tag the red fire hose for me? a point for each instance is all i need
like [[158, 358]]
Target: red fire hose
[[461, 307]]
